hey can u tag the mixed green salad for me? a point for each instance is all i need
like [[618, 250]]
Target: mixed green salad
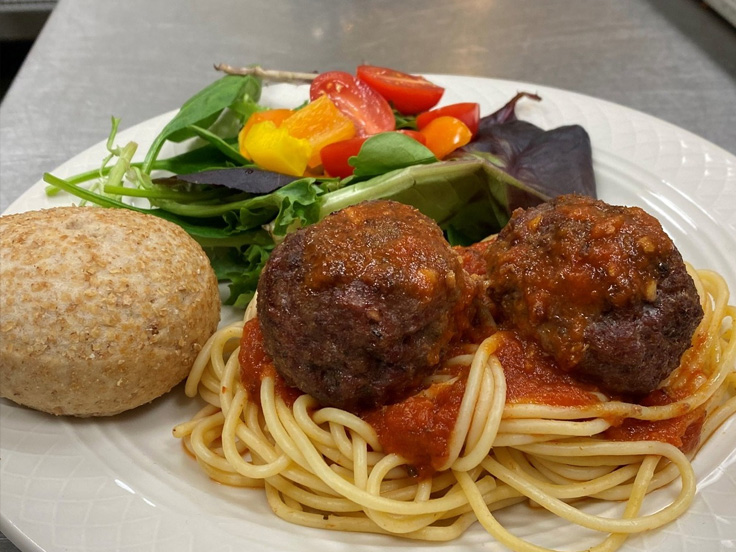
[[238, 207]]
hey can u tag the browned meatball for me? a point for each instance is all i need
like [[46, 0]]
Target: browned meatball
[[357, 310], [601, 288]]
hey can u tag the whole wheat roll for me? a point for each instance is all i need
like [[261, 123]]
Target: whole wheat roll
[[101, 310]]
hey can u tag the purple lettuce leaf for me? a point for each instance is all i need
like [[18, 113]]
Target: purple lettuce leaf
[[550, 162]]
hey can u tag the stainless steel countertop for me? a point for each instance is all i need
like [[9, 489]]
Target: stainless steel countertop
[[674, 59]]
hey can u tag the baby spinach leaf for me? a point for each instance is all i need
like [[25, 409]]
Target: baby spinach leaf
[[200, 159], [221, 144], [389, 151], [202, 110]]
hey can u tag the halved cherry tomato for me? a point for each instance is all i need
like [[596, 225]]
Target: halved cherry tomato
[[418, 136], [409, 94], [445, 134], [467, 112], [369, 112], [335, 156]]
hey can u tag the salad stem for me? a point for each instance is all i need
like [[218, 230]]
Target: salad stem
[[266, 74]]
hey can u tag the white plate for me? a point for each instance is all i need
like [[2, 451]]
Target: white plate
[[125, 484]]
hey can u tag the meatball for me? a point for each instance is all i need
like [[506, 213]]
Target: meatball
[[359, 308], [101, 310], [601, 288]]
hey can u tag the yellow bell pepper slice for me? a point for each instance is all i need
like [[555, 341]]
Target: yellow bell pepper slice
[[275, 115], [274, 149], [321, 123]]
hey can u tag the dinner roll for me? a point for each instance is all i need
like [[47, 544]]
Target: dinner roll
[[101, 310]]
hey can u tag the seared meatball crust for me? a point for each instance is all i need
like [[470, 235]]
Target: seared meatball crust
[[601, 288], [358, 309]]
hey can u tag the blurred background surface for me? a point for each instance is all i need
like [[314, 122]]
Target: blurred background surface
[[66, 67]]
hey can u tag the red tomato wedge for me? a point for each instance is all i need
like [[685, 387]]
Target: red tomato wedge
[[368, 110], [409, 94], [467, 112], [418, 136], [335, 156]]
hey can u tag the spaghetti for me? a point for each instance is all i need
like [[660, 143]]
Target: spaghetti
[[327, 468]]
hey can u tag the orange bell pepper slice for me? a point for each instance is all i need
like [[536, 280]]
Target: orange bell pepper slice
[[321, 123], [445, 134]]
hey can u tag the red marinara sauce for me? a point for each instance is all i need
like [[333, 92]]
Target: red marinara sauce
[[682, 431], [533, 376], [474, 256], [255, 364], [419, 427]]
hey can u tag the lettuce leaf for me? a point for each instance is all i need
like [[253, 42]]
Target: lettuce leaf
[[550, 162]]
